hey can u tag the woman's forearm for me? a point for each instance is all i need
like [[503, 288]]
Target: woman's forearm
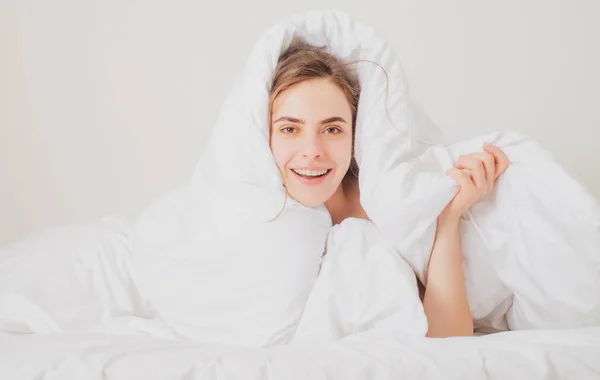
[[445, 301]]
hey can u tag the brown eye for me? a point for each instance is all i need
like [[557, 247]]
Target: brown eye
[[333, 130], [288, 129]]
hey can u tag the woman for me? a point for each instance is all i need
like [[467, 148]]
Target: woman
[[312, 112]]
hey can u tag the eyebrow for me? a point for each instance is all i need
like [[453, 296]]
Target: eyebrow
[[300, 121]]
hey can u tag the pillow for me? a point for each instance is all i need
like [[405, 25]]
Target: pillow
[[68, 278]]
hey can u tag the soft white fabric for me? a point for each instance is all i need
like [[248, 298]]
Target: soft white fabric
[[531, 248], [66, 279], [210, 258], [532, 355], [363, 285], [229, 259]]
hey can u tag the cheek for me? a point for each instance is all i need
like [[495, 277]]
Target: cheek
[[341, 152], [281, 152]]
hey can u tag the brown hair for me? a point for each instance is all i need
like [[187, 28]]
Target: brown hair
[[301, 62]]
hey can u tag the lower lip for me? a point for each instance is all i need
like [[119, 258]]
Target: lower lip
[[311, 181]]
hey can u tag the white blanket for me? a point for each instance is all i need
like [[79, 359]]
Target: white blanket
[[531, 248], [363, 285], [227, 260], [540, 354]]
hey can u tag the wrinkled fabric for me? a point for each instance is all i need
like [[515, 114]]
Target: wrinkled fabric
[[363, 285], [230, 259], [540, 354], [531, 248], [68, 279]]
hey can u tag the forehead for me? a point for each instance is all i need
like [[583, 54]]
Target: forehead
[[312, 100]]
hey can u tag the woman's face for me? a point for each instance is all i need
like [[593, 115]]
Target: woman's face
[[311, 139]]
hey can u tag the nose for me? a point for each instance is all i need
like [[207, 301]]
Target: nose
[[312, 147]]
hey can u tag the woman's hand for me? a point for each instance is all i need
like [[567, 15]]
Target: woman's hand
[[485, 168]]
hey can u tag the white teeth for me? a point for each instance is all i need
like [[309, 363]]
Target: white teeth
[[311, 173]]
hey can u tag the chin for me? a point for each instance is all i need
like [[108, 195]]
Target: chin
[[308, 198], [309, 201]]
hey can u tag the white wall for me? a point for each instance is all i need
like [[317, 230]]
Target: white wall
[[106, 105]]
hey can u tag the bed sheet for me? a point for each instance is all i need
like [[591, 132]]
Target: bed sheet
[[534, 354]]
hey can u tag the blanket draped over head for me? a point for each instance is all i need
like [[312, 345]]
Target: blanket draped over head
[[230, 258]]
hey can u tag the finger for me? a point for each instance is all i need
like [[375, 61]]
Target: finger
[[499, 157], [489, 166], [462, 179], [475, 166]]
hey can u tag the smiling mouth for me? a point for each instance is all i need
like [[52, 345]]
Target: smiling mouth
[[312, 178], [312, 175]]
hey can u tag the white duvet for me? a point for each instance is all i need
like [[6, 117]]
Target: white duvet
[[226, 264]]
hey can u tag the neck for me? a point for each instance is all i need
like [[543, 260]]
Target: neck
[[339, 204]]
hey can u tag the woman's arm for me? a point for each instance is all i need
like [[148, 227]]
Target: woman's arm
[[445, 300]]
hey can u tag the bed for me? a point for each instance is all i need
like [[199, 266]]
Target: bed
[[206, 284], [542, 354]]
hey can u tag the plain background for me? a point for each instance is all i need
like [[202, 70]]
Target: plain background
[[106, 105]]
